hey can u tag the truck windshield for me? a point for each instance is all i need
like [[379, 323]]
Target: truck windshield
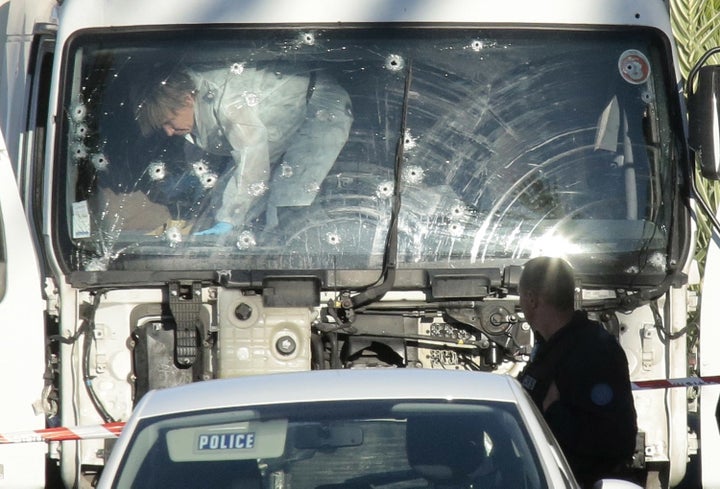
[[276, 149]]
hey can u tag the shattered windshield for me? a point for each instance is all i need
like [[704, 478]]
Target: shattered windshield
[[276, 149]]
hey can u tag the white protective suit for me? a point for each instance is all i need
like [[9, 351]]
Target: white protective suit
[[283, 128]]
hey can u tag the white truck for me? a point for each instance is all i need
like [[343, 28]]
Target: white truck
[[358, 187]]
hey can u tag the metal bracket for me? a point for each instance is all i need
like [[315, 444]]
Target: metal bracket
[[185, 301], [648, 337]]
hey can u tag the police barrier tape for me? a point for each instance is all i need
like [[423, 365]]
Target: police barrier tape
[[681, 382], [112, 430], [107, 430]]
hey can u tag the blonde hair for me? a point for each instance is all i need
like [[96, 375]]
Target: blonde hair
[[157, 96]]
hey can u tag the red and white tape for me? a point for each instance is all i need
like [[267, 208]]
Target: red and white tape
[[107, 430], [680, 382], [112, 430]]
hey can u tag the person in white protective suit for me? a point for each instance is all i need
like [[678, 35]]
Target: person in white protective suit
[[283, 126]]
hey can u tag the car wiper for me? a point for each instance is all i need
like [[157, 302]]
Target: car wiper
[[387, 278]]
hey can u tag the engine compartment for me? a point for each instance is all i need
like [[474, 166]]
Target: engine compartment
[[133, 340], [235, 332]]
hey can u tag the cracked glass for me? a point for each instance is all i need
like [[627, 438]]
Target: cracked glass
[[275, 149]]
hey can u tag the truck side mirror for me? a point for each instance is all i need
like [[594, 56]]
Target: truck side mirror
[[703, 89], [704, 119]]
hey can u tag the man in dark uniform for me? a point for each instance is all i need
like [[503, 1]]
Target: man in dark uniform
[[578, 375]]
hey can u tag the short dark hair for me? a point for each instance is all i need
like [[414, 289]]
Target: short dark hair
[[551, 278], [157, 93]]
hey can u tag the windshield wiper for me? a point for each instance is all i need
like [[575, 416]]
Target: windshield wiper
[[387, 279]]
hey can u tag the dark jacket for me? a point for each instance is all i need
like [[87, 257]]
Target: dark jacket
[[594, 419]]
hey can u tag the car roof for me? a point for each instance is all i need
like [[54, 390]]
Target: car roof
[[328, 385]]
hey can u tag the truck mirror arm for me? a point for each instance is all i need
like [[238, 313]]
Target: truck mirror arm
[[703, 94]]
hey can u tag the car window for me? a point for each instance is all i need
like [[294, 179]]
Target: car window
[[333, 445]]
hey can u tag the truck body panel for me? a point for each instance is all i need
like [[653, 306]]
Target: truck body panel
[[511, 129], [22, 327]]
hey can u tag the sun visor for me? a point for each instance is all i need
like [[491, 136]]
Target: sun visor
[[233, 441]]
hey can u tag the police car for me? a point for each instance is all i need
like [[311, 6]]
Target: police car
[[380, 428]]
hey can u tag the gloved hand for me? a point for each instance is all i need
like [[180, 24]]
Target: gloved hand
[[218, 229]]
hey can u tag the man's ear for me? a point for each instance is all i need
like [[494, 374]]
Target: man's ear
[[189, 100], [531, 298]]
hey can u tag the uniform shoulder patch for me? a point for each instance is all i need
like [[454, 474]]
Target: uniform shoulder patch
[[601, 394]]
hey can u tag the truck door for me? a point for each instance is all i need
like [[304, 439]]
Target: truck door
[[22, 352]]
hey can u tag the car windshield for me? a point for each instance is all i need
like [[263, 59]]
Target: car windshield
[[277, 149], [382, 444]]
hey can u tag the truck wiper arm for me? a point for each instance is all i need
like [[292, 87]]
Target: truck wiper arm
[[387, 279]]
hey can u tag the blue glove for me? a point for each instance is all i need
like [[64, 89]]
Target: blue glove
[[217, 229]]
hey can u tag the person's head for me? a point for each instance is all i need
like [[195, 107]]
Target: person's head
[[547, 292], [164, 100]]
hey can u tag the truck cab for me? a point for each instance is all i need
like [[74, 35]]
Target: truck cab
[[358, 187]]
